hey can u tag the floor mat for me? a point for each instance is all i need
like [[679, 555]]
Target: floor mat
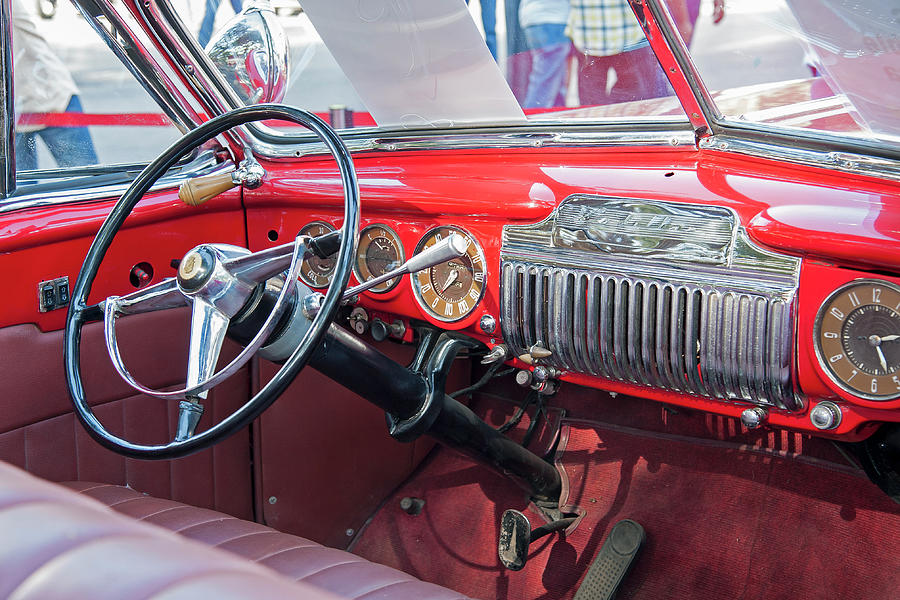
[[722, 521]]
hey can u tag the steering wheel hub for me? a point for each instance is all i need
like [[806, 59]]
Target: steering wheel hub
[[195, 269]]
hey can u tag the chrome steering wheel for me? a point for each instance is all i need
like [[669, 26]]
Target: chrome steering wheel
[[218, 280]]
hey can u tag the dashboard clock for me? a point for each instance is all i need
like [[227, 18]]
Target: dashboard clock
[[378, 252], [450, 291], [857, 337], [316, 272]]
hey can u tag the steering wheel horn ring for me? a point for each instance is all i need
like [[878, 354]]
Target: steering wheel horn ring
[[217, 280]]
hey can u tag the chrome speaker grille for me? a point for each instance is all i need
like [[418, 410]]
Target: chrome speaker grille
[[719, 327]]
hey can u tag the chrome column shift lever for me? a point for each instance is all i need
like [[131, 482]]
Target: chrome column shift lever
[[447, 249]]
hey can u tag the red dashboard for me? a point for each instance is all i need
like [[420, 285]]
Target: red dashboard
[[839, 225], [843, 227]]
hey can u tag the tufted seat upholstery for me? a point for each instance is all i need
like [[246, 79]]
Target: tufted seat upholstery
[[59, 544]]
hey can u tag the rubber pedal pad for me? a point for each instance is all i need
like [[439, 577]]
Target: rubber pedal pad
[[613, 562]]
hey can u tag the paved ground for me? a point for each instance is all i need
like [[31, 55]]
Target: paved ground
[[741, 50]]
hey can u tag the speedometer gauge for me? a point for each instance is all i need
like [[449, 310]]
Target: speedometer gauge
[[379, 252], [316, 272], [858, 339], [450, 291]]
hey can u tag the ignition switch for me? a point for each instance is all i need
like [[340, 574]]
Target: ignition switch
[[359, 320]]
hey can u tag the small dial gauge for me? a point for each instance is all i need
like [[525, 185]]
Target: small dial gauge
[[450, 291], [858, 339], [316, 272], [379, 252]]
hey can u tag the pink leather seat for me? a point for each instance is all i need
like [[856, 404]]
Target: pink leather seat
[[61, 544]]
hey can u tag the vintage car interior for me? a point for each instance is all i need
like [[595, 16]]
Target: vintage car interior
[[441, 346]]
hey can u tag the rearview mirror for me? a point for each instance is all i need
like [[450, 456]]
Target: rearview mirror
[[252, 54]]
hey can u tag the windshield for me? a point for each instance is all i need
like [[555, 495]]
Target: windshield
[[831, 66], [447, 63]]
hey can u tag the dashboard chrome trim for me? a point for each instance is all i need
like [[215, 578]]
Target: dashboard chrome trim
[[717, 322], [533, 137], [846, 162]]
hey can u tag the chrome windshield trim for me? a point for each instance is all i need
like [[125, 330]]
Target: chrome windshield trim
[[7, 105], [846, 162], [685, 78], [126, 45], [533, 139], [203, 165]]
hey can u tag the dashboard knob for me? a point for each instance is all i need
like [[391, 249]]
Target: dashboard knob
[[825, 415], [753, 417], [379, 330], [523, 378]]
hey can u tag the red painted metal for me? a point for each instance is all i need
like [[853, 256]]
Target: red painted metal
[[835, 220], [803, 211]]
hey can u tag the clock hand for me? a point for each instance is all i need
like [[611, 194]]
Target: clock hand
[[453, 277], [881, 358], [890, 338]]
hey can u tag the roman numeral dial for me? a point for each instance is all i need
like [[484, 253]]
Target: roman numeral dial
[[450, 291]]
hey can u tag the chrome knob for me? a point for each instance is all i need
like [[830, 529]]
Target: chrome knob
[[753, 417], [523, 378], [825, 415]]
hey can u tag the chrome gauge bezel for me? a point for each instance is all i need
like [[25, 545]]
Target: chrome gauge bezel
[[398, 243], [414, 279], [305, 266], [817, 331]]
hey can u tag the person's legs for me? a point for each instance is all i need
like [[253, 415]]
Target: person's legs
[[206, 26], [489, 22], [26, 151], [638, 76], [592, 74], [549, 50], [70, 146]]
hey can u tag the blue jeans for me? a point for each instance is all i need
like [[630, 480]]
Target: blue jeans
[[70, 146], [549, 50], [209, 17], [489, 22]]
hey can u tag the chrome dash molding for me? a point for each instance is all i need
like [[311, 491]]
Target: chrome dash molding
[[667, 295], [846, 162], [381, 141]]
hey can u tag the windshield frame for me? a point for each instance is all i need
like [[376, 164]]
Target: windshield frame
[[767, 135]]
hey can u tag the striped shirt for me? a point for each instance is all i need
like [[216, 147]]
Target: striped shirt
[[604, 27]]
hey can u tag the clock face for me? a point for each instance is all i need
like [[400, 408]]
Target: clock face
[[451, 290], [858, 339], [316, 272], [379, 252]]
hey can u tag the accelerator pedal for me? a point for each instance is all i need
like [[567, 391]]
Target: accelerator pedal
[[613, 562]]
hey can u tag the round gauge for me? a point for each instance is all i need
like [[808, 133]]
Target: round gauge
[[858, 338], [316, 272], [379, 251], [451, 290]]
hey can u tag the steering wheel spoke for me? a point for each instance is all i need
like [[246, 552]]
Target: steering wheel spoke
[[159, 296], [208, 328]]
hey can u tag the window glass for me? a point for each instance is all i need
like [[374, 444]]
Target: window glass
[[76, 104], [823, 65], [414, 64]]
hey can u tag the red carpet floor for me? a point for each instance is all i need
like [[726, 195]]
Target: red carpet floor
[[723, 521]]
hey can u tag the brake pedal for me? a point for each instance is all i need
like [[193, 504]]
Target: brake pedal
[[613, 562], [516, 535]]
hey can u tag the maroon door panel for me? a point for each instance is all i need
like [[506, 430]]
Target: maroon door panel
[[38, 430]]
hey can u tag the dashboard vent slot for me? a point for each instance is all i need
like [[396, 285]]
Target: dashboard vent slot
[[680, 337]]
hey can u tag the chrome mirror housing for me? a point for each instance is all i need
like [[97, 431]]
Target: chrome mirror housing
[[252, 54]]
